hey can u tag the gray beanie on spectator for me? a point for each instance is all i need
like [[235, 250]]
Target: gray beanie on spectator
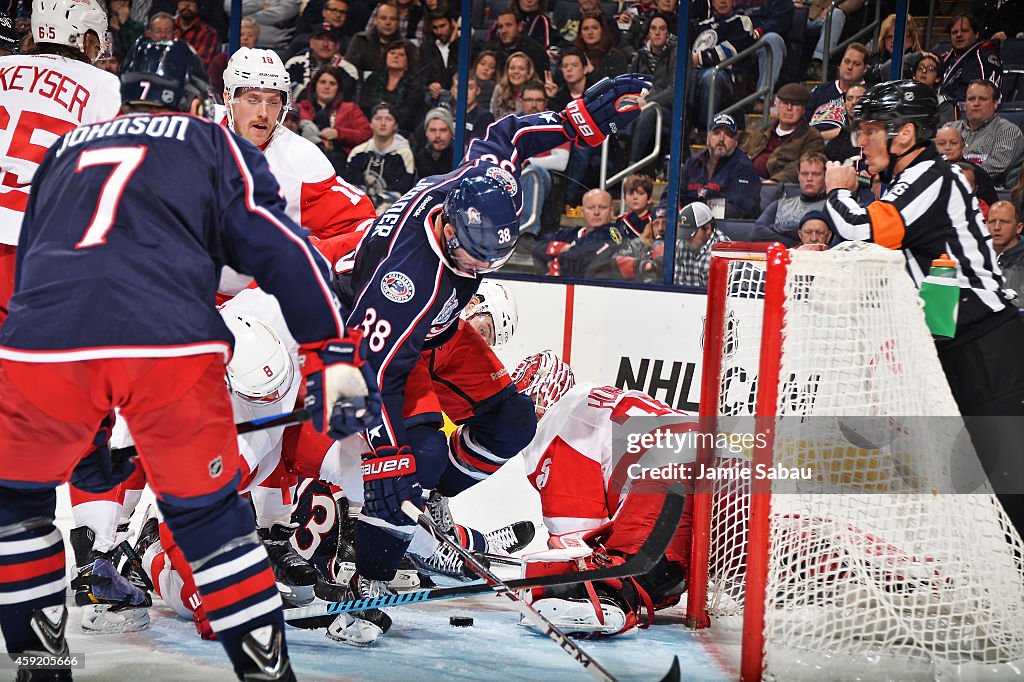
[[441, 113]]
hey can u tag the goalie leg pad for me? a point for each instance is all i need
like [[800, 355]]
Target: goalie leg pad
[[589, 609]]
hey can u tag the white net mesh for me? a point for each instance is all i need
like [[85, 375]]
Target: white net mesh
[[917, 583]]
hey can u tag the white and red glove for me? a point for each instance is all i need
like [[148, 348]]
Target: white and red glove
[[341, 389], [607, 107]]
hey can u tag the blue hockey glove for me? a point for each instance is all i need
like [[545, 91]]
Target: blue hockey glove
[[389, 478], [97, 472], [607, 107], [341, 388]]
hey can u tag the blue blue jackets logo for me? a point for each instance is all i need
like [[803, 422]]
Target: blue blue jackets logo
[[396, 286]]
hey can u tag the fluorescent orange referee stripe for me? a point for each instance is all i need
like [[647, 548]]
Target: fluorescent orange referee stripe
[[887, 226]]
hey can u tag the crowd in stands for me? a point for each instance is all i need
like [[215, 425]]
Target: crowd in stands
[[375, 86]]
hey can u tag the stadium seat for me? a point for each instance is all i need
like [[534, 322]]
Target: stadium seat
[[1012, 54], [736, 230], [1014, 114], [769, 193]]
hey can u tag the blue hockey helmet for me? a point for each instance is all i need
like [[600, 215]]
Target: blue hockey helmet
[[482, 213], [164, 73]]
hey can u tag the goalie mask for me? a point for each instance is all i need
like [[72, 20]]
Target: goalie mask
[[261, 368], [494, 301], [253, 68], [543, 377]]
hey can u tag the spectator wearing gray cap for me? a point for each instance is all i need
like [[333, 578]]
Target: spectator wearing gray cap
[[436, 157], [776, 150], [722, 175], [696, 234]]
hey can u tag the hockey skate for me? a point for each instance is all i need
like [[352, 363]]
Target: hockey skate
[[296, 577], [110, 603], [361, 628], [510, 538], [48, 624], [268, 660], [343, 567]]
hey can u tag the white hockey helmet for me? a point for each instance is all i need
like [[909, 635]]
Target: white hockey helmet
[[261, 369], [65, 22], [543, 377], [496, 301], [252, 67]]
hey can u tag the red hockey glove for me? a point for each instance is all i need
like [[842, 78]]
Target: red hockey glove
[[606, 107], [341, 388]]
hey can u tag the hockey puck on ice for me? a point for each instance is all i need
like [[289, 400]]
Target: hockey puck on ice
[[460, 621]]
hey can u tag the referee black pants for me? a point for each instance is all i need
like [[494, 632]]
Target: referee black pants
[[986, 377]]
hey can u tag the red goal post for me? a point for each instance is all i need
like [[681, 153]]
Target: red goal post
[[878, 574]]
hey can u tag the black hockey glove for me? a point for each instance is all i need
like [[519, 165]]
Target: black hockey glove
[[97, 472], [607, 107], [389, 479]]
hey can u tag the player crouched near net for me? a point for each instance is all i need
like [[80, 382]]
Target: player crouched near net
[[415, 271], [929, 210], [591, 519], [66, 91], [94, 220]]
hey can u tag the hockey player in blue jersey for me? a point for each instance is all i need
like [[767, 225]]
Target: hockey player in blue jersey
[[126, 231], [416, 269]]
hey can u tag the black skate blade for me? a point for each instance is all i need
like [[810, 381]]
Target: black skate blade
[[673, 672]]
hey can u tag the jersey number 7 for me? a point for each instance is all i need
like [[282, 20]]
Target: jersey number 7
[[124, 160]]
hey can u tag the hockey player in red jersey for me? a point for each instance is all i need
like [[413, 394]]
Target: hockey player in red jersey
[[147, 208], [257, 95], [45, 94], [590, 521]]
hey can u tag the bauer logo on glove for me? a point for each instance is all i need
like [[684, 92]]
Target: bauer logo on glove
[[607, 107]]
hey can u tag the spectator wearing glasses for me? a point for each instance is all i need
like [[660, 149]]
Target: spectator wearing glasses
[[160, 27], [334, 13], [776, 151], [950, 143], [696, 234]]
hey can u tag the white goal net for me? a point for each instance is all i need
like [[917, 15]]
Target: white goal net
[[871, 567]]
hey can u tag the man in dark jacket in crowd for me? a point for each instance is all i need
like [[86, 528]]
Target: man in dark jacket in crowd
[[582, 251], [365, 47], [722, 176]]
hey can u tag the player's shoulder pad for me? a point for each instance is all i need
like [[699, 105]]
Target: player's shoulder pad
[[294, 155]]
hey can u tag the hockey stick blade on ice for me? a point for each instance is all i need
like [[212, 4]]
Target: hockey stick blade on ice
[[287, 419], [637, 564], [527, 611]]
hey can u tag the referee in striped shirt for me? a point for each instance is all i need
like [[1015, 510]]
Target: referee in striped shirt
[[927, 210]]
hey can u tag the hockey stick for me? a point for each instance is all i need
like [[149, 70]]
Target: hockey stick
[[287, 419], [527, 611], [637, 564]]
